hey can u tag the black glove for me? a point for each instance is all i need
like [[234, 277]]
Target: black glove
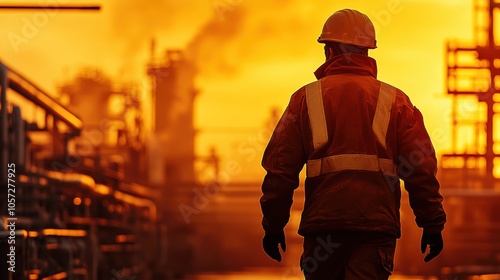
[[435, 242], [270, 244]]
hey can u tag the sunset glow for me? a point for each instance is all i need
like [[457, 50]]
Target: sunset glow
[[134, 132], [251, 55]]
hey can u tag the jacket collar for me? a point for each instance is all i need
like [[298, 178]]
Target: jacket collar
[[356, 64]]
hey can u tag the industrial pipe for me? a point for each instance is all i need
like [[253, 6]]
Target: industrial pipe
[[3, 124]]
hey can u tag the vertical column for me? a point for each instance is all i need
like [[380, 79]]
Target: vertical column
[[4, 149], [489, 98]]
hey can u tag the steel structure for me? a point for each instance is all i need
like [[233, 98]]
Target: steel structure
[[469, 183], [75, 217], [473, 81]]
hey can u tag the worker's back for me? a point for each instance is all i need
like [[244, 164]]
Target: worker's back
[[357, 200], [357, 136]]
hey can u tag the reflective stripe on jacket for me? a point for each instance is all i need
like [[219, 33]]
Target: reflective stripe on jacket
[[319, 133], [357, 136]]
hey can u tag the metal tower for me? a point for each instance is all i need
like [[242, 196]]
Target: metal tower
[[473, 80]]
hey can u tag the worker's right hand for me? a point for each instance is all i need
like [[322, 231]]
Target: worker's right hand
[[435, 242], [270, 244]]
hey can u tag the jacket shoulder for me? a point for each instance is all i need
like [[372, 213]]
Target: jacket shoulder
[[402, 99], [297, 99]]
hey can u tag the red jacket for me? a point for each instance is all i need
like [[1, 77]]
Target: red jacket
[[351, 199]]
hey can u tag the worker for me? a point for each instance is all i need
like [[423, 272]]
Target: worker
[[358, 137]]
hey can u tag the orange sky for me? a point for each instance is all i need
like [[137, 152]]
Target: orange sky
[[257, 54]]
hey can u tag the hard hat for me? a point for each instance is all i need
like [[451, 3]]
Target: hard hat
[[349, 27]]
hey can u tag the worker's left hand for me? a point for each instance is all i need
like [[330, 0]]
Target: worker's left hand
[[270, 244], [435, 242]]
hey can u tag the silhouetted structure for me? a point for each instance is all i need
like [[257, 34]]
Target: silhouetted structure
[[173, 99], [467, 174], [112, 131], [75, 216], [473, 72]]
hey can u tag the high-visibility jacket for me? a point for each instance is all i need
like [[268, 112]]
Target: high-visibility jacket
[[357, 137]]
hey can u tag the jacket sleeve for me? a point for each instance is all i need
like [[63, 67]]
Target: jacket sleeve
[[417, 166], [283, 160]]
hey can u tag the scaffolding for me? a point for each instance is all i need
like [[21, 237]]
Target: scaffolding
[[473, 80]]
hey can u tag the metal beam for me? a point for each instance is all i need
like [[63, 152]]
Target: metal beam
[[490, 103], [51, 7], [460, 92]]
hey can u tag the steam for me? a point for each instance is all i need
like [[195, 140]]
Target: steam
[[214, 48], [220, 36]]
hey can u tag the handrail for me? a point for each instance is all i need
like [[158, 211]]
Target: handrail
[[40, 98]]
